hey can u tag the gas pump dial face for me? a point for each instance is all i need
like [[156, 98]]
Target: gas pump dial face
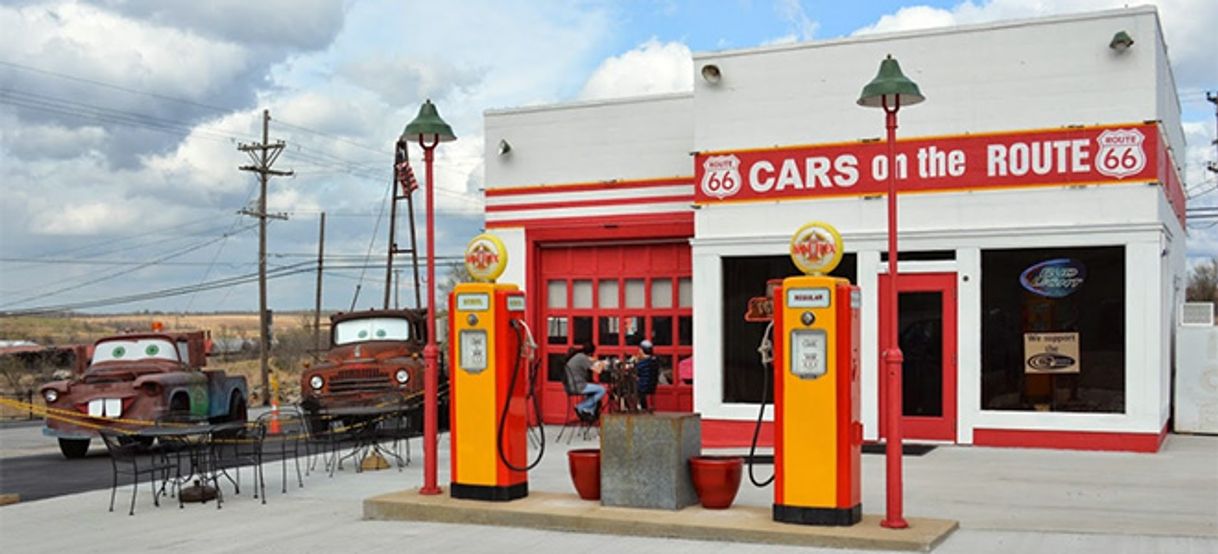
[[809, 353], [473, 351]]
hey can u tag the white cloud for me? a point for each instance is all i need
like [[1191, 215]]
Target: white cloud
[[652, 68], [401, 81], [802, 26], [1187, 25]]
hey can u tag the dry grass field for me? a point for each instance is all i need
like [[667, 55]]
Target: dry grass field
[[78, 328]]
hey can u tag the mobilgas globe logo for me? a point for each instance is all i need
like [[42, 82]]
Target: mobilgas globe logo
[[1121, 153], [721, 176], [816, 248], [485, 257], [1055, 278]]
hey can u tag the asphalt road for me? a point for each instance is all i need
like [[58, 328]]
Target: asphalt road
[[48, 475], [32, 467]]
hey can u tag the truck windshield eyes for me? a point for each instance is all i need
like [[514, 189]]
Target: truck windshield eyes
[[379, 328], [135, 350]]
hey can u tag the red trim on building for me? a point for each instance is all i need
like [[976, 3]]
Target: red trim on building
[[1169, 178], [1071, 440], [596, 202], [610, 227], [577, 187], [735, 433]]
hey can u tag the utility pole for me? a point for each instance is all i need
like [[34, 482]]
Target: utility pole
[[397, 277], [263, 155], [321, 252]]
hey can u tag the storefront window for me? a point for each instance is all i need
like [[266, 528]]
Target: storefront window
[[743, 278], [1053, 330]]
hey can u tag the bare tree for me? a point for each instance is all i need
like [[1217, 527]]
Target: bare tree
[[1203, 282]]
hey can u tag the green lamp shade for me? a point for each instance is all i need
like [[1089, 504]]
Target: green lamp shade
[[892, 83], [1121, 41], [428, 124]]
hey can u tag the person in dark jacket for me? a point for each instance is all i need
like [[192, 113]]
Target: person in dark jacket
[[647, 371]]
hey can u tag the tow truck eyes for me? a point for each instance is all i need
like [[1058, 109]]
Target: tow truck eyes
[[119, 351], [380, 333], [363, 334], [152, 350]]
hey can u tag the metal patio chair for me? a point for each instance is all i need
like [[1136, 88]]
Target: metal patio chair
[[293, 433], [129, 457]]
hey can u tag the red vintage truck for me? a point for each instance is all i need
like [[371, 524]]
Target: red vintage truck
[[375, 357], [135, 379]]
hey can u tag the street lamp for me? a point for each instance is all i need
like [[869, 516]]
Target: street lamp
[[889, 90], [429, 130]]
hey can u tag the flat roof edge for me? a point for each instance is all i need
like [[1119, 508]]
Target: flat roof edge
[[930, 31], [590, 103]]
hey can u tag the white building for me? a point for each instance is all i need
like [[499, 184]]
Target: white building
[[1041, 203]]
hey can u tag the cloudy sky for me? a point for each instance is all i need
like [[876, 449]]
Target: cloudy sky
[[120, 121]]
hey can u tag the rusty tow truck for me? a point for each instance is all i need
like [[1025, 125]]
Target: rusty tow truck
[[375, 358], [134, 380]]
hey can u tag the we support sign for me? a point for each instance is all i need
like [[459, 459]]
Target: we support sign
[[1069, 156]]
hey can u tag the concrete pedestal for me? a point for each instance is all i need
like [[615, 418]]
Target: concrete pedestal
[[645, 459]]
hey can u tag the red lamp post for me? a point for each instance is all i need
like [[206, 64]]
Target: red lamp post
[[430, 130], [889, 90]]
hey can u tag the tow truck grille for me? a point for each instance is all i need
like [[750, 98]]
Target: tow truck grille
[[355, 380]]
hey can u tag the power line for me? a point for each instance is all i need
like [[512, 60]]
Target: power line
[[114, 86], [112, 275]]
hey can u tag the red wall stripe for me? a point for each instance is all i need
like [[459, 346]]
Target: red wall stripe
[[1071, 440], [601, 185], [594, 202]]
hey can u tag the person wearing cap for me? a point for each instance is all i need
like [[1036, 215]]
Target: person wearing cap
[[647, 371], [580, 365]]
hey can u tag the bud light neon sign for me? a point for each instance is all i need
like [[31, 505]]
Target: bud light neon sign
[[1056, 278]]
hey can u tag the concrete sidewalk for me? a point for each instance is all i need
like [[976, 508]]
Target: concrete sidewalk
[[1007, 500]]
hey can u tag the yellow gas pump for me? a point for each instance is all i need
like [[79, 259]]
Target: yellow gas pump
[[817, 433], [489, 344]]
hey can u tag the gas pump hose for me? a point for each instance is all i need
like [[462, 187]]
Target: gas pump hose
[[532, 393], [765, 391]]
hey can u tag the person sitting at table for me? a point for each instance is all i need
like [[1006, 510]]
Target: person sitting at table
[[647, 373], [579, 368]]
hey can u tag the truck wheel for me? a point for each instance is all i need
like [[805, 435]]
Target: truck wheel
[[237, 410], [74, 448]]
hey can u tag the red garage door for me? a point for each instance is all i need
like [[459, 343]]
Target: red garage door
[[616, 296]]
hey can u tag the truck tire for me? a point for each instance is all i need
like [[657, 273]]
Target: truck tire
[[74, 449]]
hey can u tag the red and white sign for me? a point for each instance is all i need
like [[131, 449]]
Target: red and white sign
[[1086, 155]]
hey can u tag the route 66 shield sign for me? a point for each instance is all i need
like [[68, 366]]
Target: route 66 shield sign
[[721, 176], [1121, 153]]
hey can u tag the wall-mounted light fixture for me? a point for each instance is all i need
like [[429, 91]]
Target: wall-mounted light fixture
[[711, 74], [504, 147], [1121, 41]]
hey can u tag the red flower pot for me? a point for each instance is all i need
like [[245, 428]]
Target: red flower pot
[[585, 467], [716, 479]]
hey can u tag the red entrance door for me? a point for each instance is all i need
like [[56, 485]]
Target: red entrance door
[[927, 335], [615, 296]]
